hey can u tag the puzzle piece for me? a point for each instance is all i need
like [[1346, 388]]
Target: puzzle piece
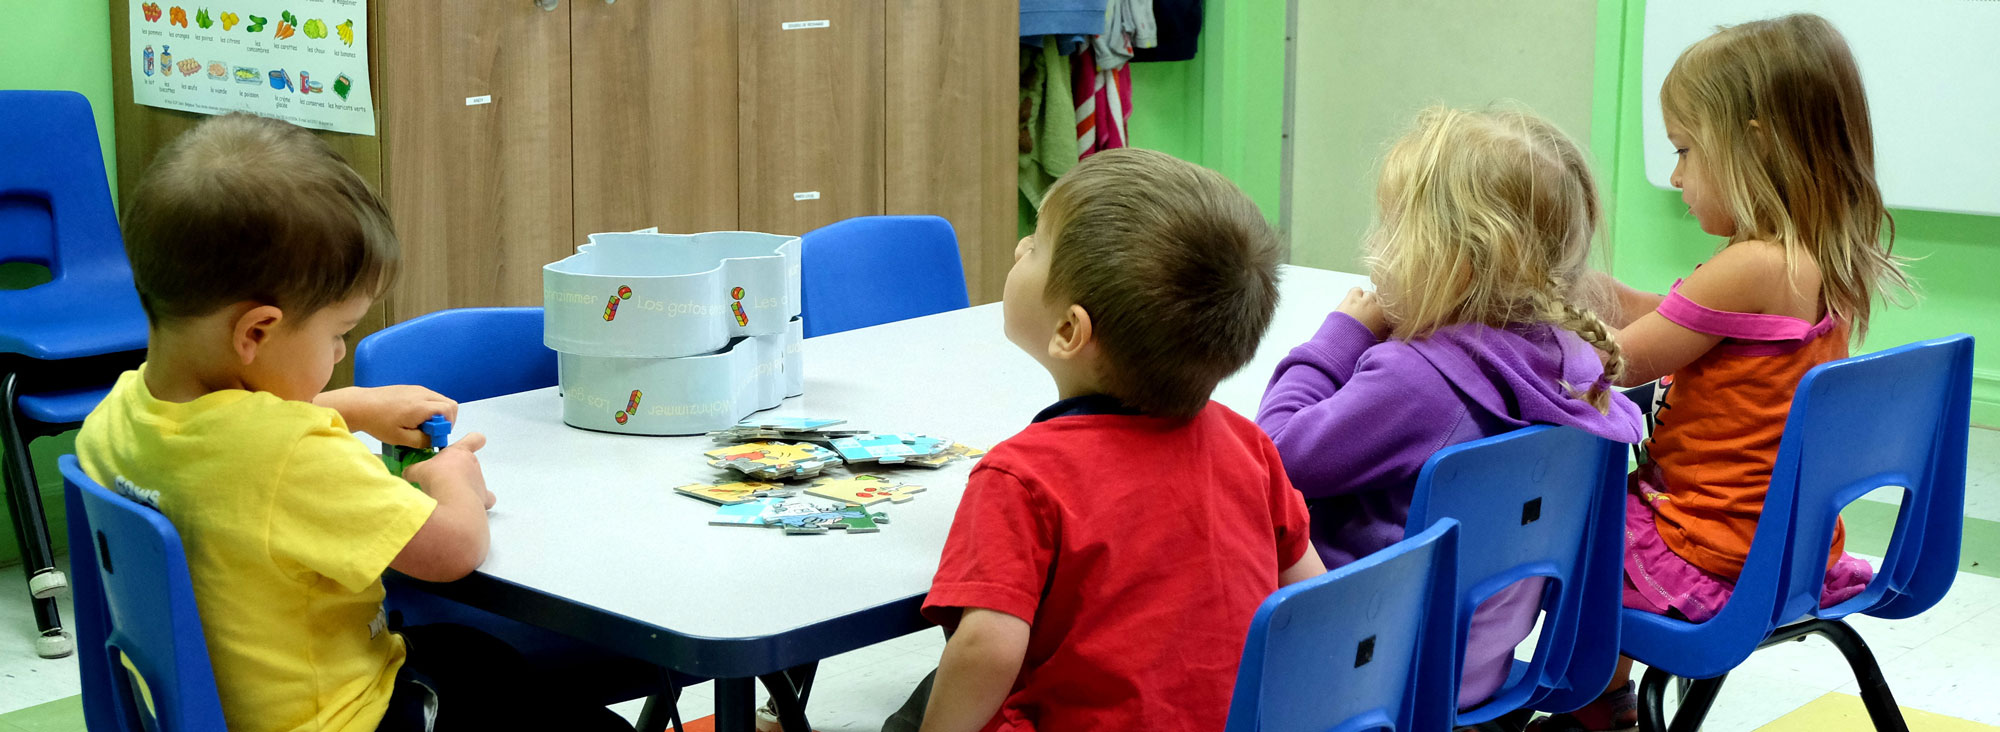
[[750, 513], [774, 460], [727, 494], [789, 424], [889, 449], [806, 511], [863, 490], [860, 522], [949, 456], [754, 434]]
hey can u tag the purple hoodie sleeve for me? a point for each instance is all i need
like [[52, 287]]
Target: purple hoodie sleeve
[[1347, 414]]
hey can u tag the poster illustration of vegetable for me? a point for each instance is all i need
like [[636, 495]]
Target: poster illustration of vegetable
[[302, 61]]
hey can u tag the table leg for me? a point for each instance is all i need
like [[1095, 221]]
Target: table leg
[[735, 705]]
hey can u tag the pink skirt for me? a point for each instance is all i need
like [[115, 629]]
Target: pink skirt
[[1658, 580]]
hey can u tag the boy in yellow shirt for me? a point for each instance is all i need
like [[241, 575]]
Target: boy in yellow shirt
[[255, 250]]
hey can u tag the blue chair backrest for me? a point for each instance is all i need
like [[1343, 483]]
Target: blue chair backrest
[[134, 597], [1544, 502], [465, 354], [55, 205], [1899, 418], [879, 269], [1344, 652]]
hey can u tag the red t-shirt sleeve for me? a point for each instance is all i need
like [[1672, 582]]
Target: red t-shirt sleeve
[[1289, 519], [998, 553]]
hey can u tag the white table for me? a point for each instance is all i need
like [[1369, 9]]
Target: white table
[[589, 538]]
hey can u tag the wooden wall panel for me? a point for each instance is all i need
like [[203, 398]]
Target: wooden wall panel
[[654, 91], [812, 108], [952, 127], [480, 192]]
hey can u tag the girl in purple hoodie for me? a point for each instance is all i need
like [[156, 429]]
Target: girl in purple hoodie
[[1474, 330]]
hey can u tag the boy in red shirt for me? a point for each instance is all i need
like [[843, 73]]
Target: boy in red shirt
[[1105, 562]]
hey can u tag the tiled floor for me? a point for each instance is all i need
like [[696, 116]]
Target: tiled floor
[[1945, 661]]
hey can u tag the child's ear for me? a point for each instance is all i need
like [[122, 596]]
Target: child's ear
[[252, 330], [1760, 138], [1072, 335]]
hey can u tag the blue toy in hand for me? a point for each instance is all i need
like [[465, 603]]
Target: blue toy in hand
[[400, 458]]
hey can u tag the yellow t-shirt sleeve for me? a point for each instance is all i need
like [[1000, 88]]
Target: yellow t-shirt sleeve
[[339, 513]]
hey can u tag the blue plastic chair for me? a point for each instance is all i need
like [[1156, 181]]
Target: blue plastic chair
[[133, 597], [1344, 651], [1536, 502], [879, 269], [466, 354], [1894, 418], [61, 342]]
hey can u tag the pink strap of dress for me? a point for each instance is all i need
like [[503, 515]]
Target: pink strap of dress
[[1754, 334]]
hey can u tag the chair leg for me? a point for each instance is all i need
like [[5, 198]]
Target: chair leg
[[789, 691], [1696, 700], [665, 703], [1875, 694], [31, 531]]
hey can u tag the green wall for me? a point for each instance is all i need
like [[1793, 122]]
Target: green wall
[[1225, 108], [1654, 240], [61, 44], [56, 44]]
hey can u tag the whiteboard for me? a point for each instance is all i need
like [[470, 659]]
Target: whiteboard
[[1932, 71]]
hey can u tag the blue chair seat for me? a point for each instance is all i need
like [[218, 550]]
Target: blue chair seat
[[71, 318], [68, 406]]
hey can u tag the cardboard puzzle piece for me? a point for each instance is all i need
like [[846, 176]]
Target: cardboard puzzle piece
[[800, 515], [789, 424], [750, 513], [727, 494], [864, 490], [890, 449], [756, 434], [805, 511], [951, 455], [774, 460]]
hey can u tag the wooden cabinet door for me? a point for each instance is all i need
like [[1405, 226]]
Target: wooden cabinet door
[[653, 90], [812, 104], [474, 109], [953, 126]]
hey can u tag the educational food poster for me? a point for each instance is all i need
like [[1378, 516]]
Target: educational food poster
[[302, 61]]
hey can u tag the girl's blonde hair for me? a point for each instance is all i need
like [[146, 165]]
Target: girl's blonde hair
[[1487, 217], [1803, 176]]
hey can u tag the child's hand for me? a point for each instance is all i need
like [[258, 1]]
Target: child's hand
[[1366, 308], [391, 413], [454, 464]]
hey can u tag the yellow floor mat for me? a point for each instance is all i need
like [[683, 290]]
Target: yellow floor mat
[[1843, 712]]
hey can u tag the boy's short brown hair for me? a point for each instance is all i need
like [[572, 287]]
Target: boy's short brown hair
[[248, 208], [1176, 267]]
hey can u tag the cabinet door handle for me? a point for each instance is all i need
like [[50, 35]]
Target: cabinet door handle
[[547, 5]]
